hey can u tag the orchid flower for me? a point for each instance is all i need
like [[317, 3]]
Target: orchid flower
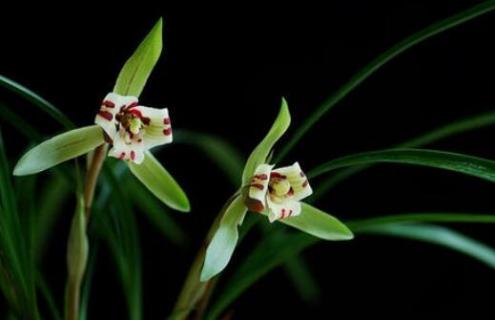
[[276, 193], [129, 128]]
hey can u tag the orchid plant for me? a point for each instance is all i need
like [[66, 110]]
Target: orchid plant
[[275, 193]]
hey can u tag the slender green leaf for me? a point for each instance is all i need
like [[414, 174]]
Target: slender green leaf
[[357, 225], [315, 222], [469, 165], [261, 152], [157, 179], [451, 129], [279, 247], [440, 236], [58, 149], [34, 98], [137, 69], [382, 59], [222, 245]]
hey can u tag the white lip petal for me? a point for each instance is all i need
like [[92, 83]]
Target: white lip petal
[[125, 151], [285, 209], [297, 180], [157, 126], [258, 188]]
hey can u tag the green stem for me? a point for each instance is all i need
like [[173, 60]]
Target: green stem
[[73, 289], [195, 294]]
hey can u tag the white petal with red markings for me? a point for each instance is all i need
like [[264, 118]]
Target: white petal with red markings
[[282, 210], [110, 106], [258, 188], [297, 179], [157, 126], [129, 152]]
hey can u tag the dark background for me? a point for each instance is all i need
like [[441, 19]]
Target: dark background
[[223, 71]]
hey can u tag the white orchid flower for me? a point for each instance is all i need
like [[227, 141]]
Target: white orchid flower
[[278, 192], [132, 129]]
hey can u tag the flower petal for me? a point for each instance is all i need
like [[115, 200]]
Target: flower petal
[[157, 126], [110, 106], [133, 151], [297, 179], [259, 182], [285, 209]]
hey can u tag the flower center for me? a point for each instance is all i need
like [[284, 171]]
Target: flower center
[[279, 187]]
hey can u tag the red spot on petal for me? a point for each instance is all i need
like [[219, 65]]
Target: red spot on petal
[[132, 104], [302, 174], [305, 183], [122, 156], [166, 120], [167, 131], [140, 140], [277, 175], [261, 176], [108, 104], [290, 212], [290, 192], [146, 120], [257, 186], [106, 115], [283, 214], [133, 155]]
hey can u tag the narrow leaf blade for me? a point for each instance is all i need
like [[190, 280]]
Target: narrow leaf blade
[[469, 165], [222, 245], [440, 236], [260, 153], [58, 149], [137, 69], [157, 179], [319, 224]]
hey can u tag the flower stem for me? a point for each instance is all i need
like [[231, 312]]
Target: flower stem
[[74, 281], [195, 294]]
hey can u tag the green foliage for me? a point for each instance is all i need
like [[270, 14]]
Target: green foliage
[[157, 179], [133, 76], [58, 149], [261, 152]]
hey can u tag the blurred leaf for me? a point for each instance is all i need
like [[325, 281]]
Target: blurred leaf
[[361, 224], [440, 236], [222, 245], [456, 127], [279, 247], [118, 227], [469, 165], [46, 293], [305, 283], [54, 192], [17, 270], [261, 152], [158, 215], [58, 149], [137, 69], [317, 223], [225, 155], [157, 179], [378, 62], [34, 98], [271, 252]]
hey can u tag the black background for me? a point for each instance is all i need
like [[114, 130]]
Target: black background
[[223, 71]]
